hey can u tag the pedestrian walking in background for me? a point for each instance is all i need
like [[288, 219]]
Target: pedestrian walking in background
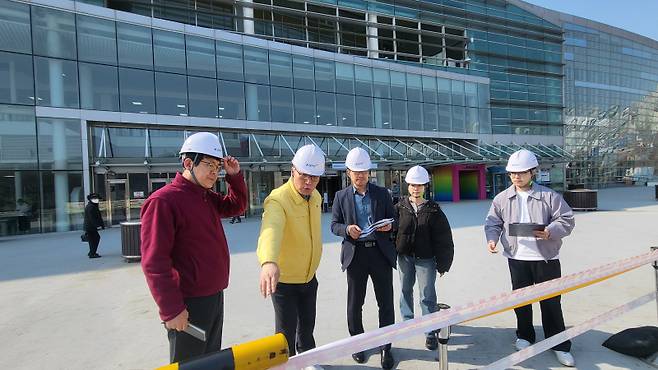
[[290, 247], [532, 259], [424, 244], [93, 220], [185, 257]]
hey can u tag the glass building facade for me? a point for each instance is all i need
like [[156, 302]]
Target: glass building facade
[[101, 94], [611, 102]]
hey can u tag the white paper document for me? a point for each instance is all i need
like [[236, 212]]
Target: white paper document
[[374, 226]]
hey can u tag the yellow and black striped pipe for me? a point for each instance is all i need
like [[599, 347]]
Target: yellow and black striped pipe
[[259, 354]]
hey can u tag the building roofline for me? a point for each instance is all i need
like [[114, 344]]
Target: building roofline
[[560, 18]]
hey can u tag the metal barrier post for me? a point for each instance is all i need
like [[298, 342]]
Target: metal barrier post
[[655, 270], [443, 337]]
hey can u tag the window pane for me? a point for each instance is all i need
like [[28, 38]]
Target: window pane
[[458, 118], [382, 86], [485, 121], [53, 33], [471, 94], [445, 118], [280, 69], [135, 48], [414, 87], [126, 142], [231, 99], [165, 143], [171, 94], [345, 110], [326, 109], [430, 117], [344, 78], [203, 96], [398, 85], [256, 67], [169, 51], [258, 102], [399, 114], [324, 76], [303, 72], [20, 201], [97, 40], [444, 91], [18, 81], [429, 89], [363, 80], [415, 115], [57, 83], [458, 92], [136, 90], [304, 107], [483, 95], [19, 138], [229, 61], [382, 108], [472, 120], [200, 56], [15, 23], [364, 113], [61, 212], [60, 144], [99, 87], [282, 104]]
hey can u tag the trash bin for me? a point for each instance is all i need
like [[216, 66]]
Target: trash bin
[[130, 241], [582, 199]]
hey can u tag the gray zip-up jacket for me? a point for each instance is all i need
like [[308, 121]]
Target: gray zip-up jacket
[[545, 206]]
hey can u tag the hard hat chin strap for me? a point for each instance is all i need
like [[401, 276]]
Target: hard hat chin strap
[[196, 181]]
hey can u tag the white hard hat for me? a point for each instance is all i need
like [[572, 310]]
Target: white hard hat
[[358, 160], [521, 161], [204, 143], [417, 175], [309, 159]]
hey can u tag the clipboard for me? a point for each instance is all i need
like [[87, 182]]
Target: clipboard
[[524, 229]]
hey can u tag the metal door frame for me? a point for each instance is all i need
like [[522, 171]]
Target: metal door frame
[[126, 199]]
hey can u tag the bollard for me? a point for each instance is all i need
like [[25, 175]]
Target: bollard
[[444, 337], [259, 354], [655, 270]]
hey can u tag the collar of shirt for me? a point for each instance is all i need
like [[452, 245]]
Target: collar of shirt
[[186, 184], [354, 191]]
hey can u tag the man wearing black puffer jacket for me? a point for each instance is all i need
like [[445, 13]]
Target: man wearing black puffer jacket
[[424, 245]]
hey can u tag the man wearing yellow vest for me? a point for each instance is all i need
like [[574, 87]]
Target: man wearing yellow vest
[[289, 249]]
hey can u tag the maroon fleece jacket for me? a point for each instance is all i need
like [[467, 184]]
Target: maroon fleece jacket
[[184, 250]]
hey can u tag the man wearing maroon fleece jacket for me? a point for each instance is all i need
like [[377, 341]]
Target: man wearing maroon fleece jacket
[[185, 257]]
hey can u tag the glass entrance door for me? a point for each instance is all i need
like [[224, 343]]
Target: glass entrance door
[[117, 201]]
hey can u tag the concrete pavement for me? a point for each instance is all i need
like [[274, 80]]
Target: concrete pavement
[[61, 310]]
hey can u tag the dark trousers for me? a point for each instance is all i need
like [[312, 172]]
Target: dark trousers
[[93, 238], [208, 314], [527, 273], [369, 262], [294, 314]]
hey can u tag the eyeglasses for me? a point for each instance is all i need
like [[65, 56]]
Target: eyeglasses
[[306, 177], [518, 173], [360, 173], [211, 166]]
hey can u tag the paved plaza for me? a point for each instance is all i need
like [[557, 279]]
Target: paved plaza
[[61, 310]]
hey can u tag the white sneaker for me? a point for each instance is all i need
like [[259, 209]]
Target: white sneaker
[[565, 358], [521, 344]]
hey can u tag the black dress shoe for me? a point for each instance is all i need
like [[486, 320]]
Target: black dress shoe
[[95, 255], [387, 359], [359, 357], [431, 342]]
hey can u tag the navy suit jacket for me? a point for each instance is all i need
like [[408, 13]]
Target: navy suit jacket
[[344, 214]]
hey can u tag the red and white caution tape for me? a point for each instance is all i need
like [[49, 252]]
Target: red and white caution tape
[[575, 331], [474, 310]]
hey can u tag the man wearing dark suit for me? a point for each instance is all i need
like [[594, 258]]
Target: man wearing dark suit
[[374, 256]]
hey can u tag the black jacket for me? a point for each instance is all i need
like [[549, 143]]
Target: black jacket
[[93, 219], [344, 214], [426, 235]]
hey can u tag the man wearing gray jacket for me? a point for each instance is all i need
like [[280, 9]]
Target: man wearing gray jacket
[[532, 258]]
